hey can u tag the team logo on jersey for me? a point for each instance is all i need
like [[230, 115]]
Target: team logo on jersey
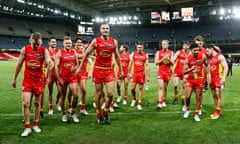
[[212, 68], [33, 64], [37, 55], [105, 53]]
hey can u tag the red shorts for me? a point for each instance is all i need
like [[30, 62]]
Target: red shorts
[[68, 79], [164, 75], [101, 75], [197, 83], [215, 83], [53, 77], [179, 74], [82, 76], [138, 78], [35, 86]]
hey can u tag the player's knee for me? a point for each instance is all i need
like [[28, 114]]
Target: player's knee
[[110, 94], [36, 104], [26, 104]]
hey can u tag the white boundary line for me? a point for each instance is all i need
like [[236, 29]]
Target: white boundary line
[[120, 113]]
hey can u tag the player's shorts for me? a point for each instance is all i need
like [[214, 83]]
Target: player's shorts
[[179, 74], [82, 76], [69, 79], [215, 83], [164, 75], [101, 75], [197, 83], [138, 78], [53, 76], [34, 86]]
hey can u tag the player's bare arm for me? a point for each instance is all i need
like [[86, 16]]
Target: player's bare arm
[[225, 67], [18, 67], [91, 46], [130, 65], [147, 68], [117, 58], [57, 65]]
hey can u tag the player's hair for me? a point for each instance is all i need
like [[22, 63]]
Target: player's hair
[[67, 38], [193, 45], [214, 47], [36, 36], [76, 39], [165, 40], [186, 43], [139, 43], [104, 24], [125, 46], [198, 38], [49, 39]]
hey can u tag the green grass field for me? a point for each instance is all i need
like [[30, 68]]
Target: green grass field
[[129, 126]]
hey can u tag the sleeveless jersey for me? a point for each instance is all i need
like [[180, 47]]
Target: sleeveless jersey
[[139, 60], [85, 64], [216, 68], [52, 53], [125, 59], [165, 65], [104, 51], [34, 60], [182, 56], [198, 62], [67, 61]]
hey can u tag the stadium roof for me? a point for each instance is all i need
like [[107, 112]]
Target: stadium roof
[[107, 7]]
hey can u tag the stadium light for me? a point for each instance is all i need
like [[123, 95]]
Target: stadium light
[[222, 11], [21, 1]]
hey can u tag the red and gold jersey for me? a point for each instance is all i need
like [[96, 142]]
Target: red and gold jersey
[[80, 53], [34, 60], [139, 60], [52, 53], [198, 63], [181, 58], [216, 68], [124, 59], [67, 62], [204, 51], [165, 65], [104, 52]]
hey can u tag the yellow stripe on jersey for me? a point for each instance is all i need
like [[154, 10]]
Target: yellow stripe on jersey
[[220, 70]]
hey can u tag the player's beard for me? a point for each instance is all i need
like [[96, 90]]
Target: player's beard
[[35, 46]]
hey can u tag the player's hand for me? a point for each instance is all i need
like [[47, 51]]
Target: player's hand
[[222, 82], [14, 83], [129, 76], [50, 65]]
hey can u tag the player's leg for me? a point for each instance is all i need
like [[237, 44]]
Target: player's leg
[[119, 81], [140, 95], [160, 93], [99, 93], [37, 107], [74, 88], [175, 83], [83, 91], [50, 92], [188, 100], [26, 100], [133, 92], [165, 86], [125, 91], [199, 92]]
